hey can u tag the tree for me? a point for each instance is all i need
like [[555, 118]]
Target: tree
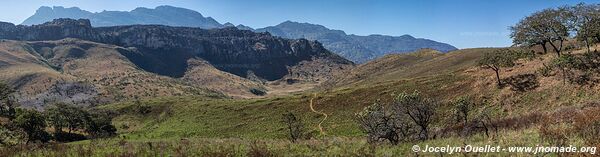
[[378, 123], [586, 22], [590, 32], [7, 102], [462, 108], [497, 59], [421, 110], [295, 126], [33, 123], [68, 116], [98, 124], [542, 27]]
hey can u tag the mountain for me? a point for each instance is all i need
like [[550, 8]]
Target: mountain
[[167, 49], [240, 26], [353, 47], [67, 57], [356, 48], [161, 15]]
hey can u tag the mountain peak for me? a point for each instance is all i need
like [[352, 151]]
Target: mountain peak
[[227, 24]]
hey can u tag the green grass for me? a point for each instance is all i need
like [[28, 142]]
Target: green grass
[[334, 146], [201, 126], [185, 117]]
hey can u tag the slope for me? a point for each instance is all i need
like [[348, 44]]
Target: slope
[[81, 72]]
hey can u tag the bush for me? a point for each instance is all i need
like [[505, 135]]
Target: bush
[[295, 126], [257, 91], [379, 124], [462, 108], [587, 125], [553, 132], [419, 109], [7, 101]]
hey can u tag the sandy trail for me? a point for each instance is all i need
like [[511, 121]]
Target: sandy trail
[[315, 111]]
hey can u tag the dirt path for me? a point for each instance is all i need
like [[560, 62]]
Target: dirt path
[[321, 113]]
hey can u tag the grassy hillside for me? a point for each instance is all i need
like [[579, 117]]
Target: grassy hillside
[[260, 118], [203, 125]]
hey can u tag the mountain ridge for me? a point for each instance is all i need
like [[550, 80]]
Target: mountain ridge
[[356, 48], [359, 49], [159, 15]]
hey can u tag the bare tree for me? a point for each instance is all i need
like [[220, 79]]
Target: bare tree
[[419, 109]]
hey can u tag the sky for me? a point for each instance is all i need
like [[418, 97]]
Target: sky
[[462, 23]]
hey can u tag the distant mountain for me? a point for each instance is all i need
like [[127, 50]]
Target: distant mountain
[[161, 15], [240, 26], [353, 47]]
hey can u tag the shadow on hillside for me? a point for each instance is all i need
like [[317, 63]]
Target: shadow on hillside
[[522, 82]]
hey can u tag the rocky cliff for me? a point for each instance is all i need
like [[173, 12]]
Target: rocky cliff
[[165, 50]]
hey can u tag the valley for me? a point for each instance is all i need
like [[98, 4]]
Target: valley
[[166, 87]]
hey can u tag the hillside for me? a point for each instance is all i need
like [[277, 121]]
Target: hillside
[[359, 49], [82, 72], [460, 76], [161, 15]]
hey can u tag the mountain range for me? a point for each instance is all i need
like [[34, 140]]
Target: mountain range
[[358, 49], [69, 60]]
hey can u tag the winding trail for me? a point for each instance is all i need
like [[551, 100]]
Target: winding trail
[[321, 113]]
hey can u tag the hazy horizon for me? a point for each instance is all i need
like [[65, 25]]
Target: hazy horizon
[[463, 24]]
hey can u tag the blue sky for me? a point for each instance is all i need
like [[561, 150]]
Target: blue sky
[[462, 23]]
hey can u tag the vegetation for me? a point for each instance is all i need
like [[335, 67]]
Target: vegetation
[[295, 126], [378, 123], [499, 59], [419, 109], [257, 91], [462, 109], [33, 123], [95, 124], [7, 101], [455, 106]]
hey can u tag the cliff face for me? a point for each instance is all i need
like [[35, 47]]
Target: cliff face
[[165, 50]]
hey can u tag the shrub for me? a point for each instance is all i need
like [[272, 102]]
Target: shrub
[[462, 108], [553, 132], [378, 124], [294, 125], [7, 102], [587, 125], [257, 91], [419, 109]]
